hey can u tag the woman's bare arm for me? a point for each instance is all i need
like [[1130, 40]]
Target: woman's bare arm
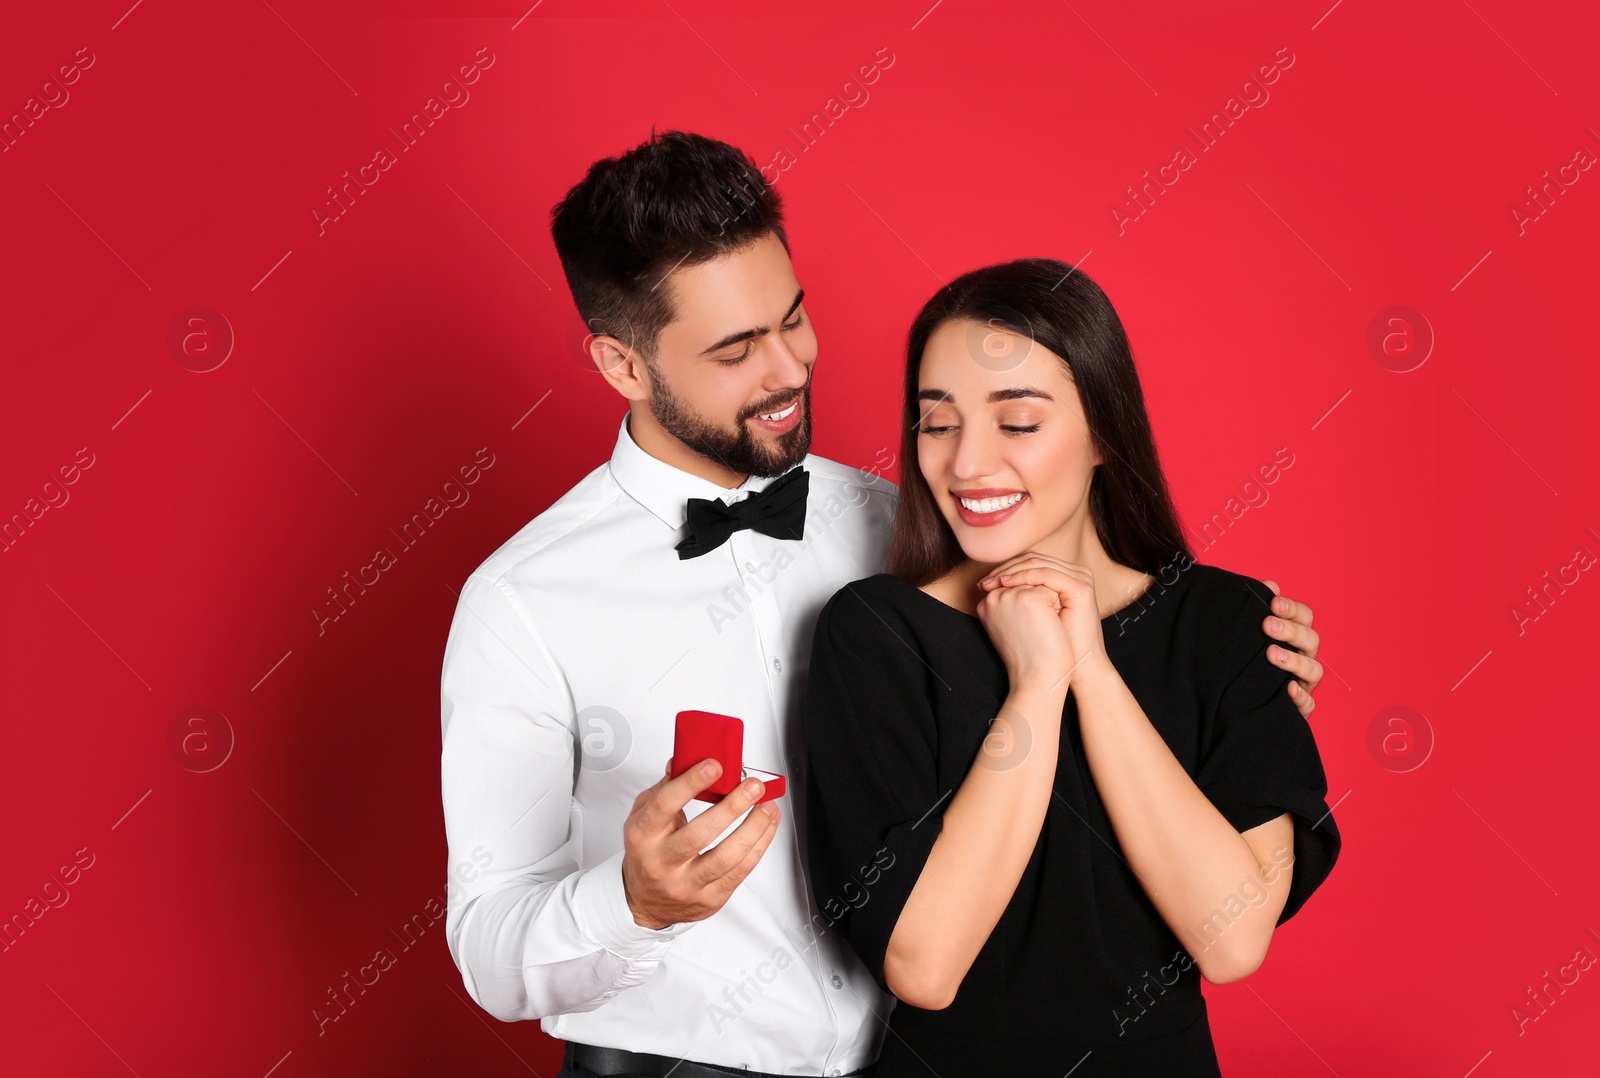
[[989, 833], [1188, 857]]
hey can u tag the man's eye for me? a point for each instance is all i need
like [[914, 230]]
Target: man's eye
[[750, 345]]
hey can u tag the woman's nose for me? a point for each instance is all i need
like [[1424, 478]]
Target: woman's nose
[[975, 453]]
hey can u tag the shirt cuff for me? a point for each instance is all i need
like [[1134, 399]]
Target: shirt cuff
[[603, 913]]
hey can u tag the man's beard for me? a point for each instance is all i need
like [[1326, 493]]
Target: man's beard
[[739, 452]]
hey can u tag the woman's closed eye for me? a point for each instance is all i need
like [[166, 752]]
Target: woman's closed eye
[[926, 429]]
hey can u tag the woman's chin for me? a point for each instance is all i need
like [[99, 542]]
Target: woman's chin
[[994, 543], [988, 548]]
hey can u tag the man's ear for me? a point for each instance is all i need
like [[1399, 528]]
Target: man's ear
[[621, 366]]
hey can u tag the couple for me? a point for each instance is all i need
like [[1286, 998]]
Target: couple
[[1044, 770]]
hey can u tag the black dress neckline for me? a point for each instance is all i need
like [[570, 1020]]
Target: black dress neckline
[[1108, 619]]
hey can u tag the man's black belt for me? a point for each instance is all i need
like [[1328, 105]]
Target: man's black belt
[[620, 1061]]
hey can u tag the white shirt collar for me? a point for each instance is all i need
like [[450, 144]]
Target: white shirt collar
[[664, 489]]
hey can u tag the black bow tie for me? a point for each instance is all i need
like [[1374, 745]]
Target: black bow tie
[[778, 511]]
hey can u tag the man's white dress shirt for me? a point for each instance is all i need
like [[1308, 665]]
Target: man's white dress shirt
[[573, 648]]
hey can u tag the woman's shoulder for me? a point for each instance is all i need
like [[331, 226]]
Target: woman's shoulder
[[1221, 591], [1224, 611], [870, 610], [865, 599]]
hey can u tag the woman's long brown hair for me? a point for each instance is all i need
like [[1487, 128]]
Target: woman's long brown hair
[[1062, 309]]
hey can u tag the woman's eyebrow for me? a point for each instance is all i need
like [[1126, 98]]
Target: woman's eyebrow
[[995, 396], [1017, 393]]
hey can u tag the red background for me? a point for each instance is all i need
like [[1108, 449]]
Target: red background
[[375, 359]]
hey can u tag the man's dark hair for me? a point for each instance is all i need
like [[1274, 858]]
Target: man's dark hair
[[678, 199]]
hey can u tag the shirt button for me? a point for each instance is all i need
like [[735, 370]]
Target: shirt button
[[837, 983], [777, 664]]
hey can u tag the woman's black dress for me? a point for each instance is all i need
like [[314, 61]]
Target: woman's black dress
[[1081, 971]]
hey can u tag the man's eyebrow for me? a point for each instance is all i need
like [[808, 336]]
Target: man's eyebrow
[[995, 396], [759, 331]]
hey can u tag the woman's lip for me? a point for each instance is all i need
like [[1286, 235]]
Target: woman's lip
[[987, 492], [985, 520]]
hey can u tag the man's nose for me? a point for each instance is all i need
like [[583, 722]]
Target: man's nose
[[788, 370]]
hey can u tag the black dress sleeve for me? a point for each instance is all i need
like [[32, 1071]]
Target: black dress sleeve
[[1260, 759], [873, 806]]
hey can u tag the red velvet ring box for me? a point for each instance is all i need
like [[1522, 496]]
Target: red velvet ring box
[[702, 734]]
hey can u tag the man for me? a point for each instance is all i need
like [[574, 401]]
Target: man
[[685, 573]]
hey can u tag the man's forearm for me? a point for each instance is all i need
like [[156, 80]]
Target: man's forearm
[[533, 949]]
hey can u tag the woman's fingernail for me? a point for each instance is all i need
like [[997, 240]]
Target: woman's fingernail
[[708, 769], [1277, 626]]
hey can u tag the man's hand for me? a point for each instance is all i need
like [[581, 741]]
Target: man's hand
[[664, 875], [1293, 626]]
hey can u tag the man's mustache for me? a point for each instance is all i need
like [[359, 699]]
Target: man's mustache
[[765, 409]]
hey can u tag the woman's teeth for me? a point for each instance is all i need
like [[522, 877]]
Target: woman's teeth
[[989, 505], [774, 416]]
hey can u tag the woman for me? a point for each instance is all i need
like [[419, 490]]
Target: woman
[[1055, 777]]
